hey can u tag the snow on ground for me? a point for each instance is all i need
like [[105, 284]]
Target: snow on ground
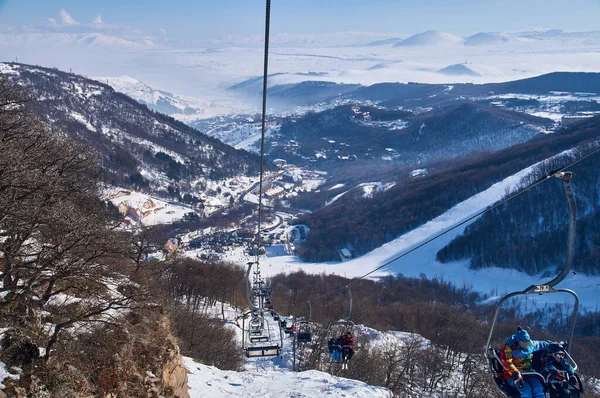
[[492, 281], [81, 119], [273, 376], [549, 115], [4, 373], [143, 209], [208, 381], [336, 197]]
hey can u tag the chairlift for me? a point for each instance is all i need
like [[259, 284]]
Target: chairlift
[[260, 340], [338, 328], [495, 366], [260, 348], [303, 332]]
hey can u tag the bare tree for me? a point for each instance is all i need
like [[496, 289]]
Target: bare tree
[[59, 250]]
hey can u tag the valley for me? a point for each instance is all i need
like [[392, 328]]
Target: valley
[[157, 239]]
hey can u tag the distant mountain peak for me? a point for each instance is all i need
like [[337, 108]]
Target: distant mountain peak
[[485, 39], [430, 38], [384, 42], [459, 70]]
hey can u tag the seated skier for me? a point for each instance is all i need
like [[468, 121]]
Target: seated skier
[[335, 348], [558, 372], [347, 343]]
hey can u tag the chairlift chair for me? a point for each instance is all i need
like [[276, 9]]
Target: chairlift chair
[[337, 328], [260, 341], [495, 365], [303, 330]]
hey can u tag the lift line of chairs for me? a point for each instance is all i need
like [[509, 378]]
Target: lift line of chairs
[[259, 339]]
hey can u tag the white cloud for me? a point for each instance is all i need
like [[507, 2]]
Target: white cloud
[[98, 19], [66, 19]]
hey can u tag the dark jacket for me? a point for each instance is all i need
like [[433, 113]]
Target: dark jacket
[[553, 368], [347, 341]]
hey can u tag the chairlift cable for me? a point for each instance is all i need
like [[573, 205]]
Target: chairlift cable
[[262, 126], [487, 209], [270, 350]]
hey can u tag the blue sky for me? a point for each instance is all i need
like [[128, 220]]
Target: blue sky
[[202, 19]]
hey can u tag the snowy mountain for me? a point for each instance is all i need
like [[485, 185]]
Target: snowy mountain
[[429, 38], [157, 100], [185, 108], [485, 39], [137, 147], [458, 70]]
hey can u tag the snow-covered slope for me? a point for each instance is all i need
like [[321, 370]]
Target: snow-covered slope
[[459, 70], [423, 261], [430, 38], [208, 381], [161, 101], [485, 39], [184, 108]]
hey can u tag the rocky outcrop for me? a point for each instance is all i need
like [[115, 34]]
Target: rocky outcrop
[[175, 375]]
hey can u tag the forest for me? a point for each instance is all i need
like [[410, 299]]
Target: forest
[[366, 223], [529, 233]]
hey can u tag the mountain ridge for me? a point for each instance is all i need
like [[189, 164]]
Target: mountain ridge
[[136, 145]]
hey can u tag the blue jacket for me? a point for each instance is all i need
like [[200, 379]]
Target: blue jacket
[[553, 368]]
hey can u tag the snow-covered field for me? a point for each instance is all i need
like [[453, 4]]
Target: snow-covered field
[[142, 209]]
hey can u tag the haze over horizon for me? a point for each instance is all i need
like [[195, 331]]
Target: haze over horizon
[[202, 48], [192, 22]]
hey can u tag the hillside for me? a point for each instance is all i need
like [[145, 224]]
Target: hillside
[[136, 146], [353, 132], [429, 38], [486, 39], [370, 222], [536, 220]]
